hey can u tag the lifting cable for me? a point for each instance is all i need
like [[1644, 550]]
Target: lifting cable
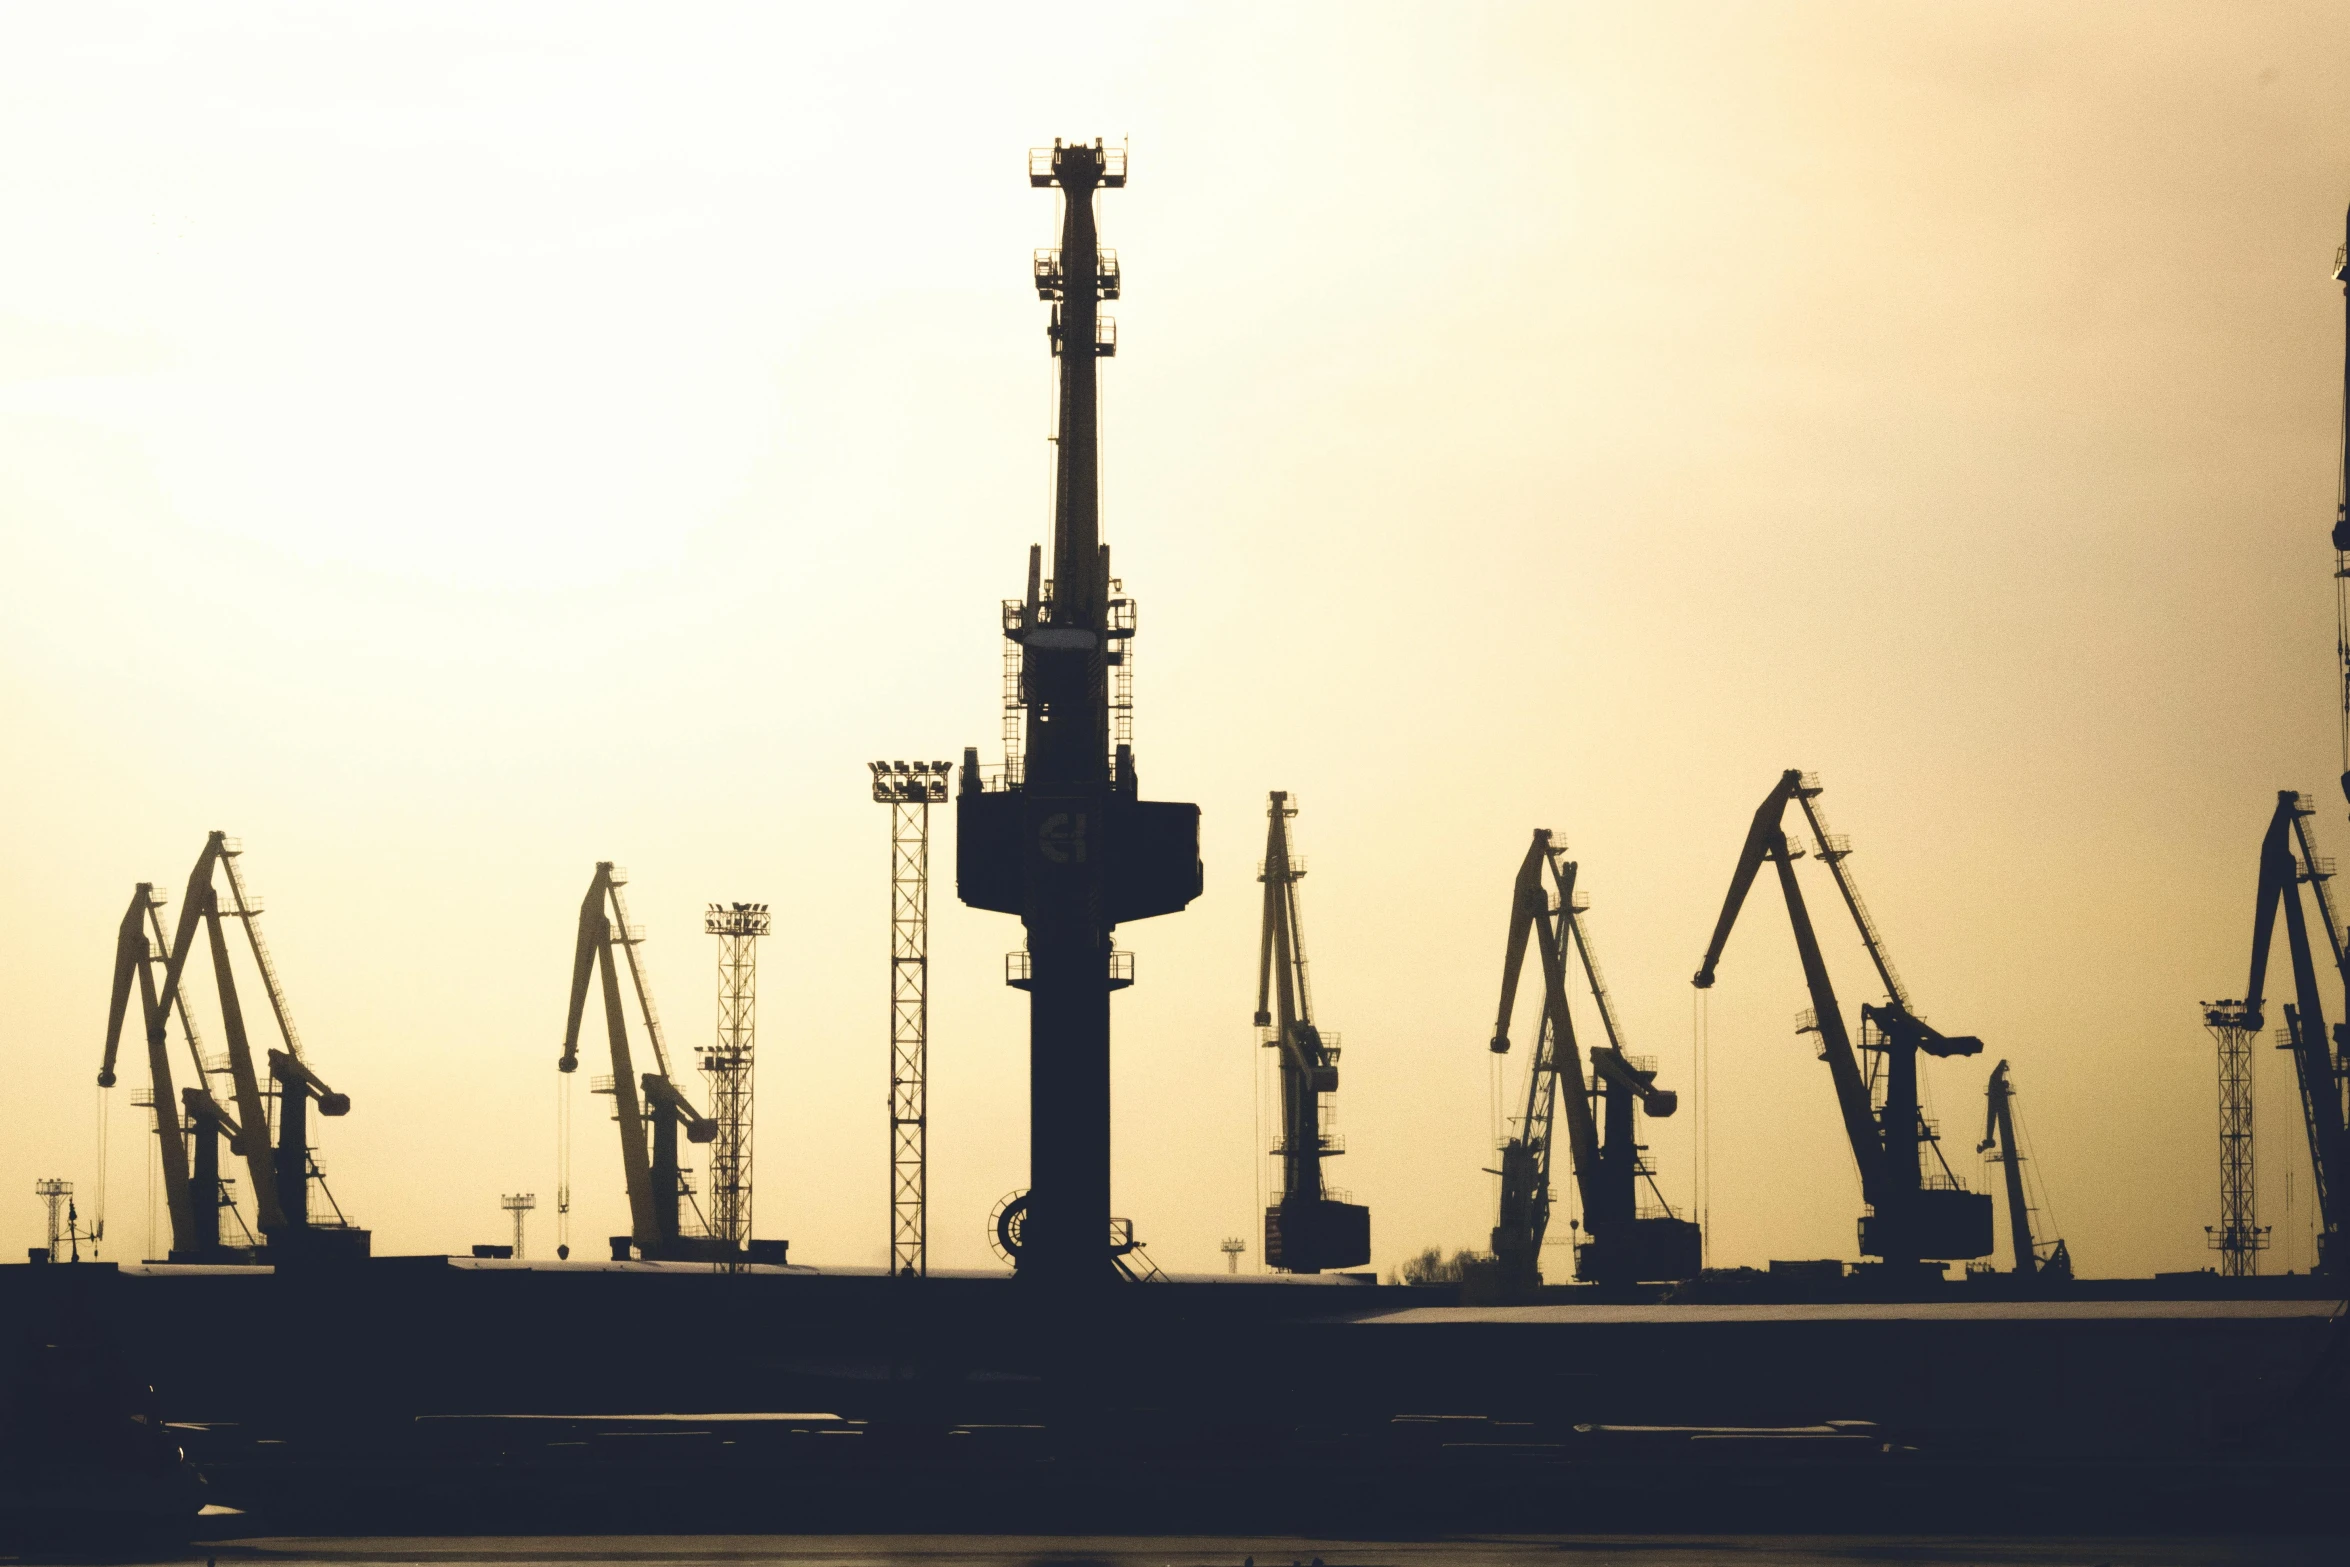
[[1256, 1153], [563, 1081], [2342, 528], [98, 1209], [2047, 1232], [1700, 1018]]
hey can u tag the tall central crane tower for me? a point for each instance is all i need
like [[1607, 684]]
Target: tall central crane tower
[[1064, 840]]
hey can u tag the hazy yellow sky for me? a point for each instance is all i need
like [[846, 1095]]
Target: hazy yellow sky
[[450, 445]]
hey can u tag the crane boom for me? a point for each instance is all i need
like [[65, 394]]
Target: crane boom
[[1999, 1132], [149, 903], [2319, 872], [1571, 911], [1833, 851], [626, 936], [253, 1142], [134, 968]]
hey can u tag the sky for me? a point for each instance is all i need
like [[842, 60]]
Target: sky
[[446, 446]]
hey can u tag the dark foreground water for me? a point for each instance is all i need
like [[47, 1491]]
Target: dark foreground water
[[1134, 1551]]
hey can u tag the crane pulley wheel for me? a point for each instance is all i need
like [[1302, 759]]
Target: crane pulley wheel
[[1004, 1225]]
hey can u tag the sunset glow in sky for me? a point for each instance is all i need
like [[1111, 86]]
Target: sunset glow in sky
[[446, 446]]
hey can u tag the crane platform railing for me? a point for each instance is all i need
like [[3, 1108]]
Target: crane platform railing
[[1328, 1142]]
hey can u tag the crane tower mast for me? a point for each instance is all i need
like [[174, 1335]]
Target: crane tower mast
[[1064, 840]]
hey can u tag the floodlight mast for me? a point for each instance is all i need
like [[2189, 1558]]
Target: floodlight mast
[[909, 789], [727, 1066]]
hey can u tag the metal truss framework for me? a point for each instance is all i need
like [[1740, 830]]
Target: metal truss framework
[[728, 1064], [2238, 1238], [909, 789]]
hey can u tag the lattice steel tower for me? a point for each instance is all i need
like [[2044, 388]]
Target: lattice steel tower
[[726, 1066], [909, 789], [55, 1194], [2238, 1237], [518, 1205]]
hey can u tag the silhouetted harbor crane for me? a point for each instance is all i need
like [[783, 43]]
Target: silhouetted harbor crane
[[2321, 1054], [1910, 1218], [648, 1124], [1999, 1134], [281, 1175], [1604, 1155], [1308, 1229]]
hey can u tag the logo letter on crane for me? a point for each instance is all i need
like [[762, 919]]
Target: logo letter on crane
[[1060, 837]]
